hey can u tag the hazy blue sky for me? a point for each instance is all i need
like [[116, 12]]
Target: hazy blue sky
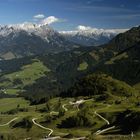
[[68, 14]]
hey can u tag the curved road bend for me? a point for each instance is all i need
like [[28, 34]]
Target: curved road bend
[[108, 123], [9, 122], [63, 106], [95, 112], [51, 131]]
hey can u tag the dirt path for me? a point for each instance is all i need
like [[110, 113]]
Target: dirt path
[[63, 106], [104, 130], [102, 118], [9, 122], [51, 130]]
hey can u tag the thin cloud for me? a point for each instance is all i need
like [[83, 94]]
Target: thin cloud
[[83, 28], [39, 16], [88, 28], [51, 19]]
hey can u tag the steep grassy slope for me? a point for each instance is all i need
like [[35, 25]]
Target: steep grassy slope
[[28, 73], [12, 83], [125, 40], [125, 66], [102, 86]]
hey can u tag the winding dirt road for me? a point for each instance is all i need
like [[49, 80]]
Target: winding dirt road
[[51, 130], [108, 123], [104, 130], [9, 122]]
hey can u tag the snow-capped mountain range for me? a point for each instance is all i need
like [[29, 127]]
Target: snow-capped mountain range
[[30, 39], [88, 36], [40, 30]]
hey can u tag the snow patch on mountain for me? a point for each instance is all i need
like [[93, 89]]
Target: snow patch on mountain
[[43, 31], [86, 35]]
